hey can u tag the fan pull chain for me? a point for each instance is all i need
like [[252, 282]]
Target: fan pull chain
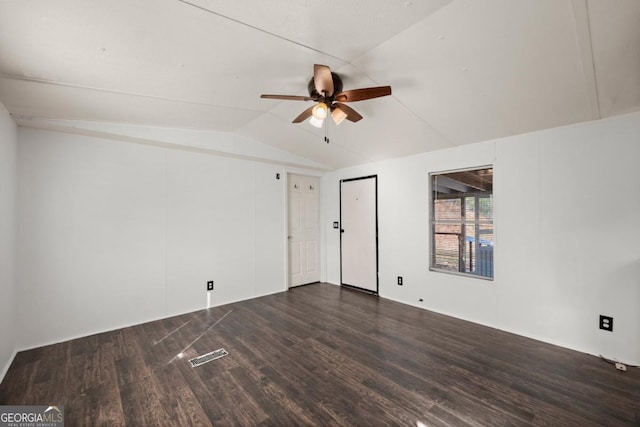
[[326, 131]]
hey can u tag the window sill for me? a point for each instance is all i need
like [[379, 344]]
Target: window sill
[[457, 273]]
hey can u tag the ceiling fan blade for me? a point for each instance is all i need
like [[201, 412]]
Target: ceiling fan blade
[[362, 94], [288, 97], [349, 113], [304, 115], [323, 80]]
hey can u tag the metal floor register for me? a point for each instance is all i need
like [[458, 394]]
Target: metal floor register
[[201, 360]]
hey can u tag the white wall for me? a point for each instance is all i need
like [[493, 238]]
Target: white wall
[[114, 233], [8, 187], [567, 232]]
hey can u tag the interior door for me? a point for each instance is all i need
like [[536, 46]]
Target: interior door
[[359, 233], [304, 230]]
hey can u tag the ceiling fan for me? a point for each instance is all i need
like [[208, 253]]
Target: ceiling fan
[[325, 88]]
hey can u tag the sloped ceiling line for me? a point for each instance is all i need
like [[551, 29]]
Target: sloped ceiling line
[[584, 40], [253, 27], [588, 40], [120, 92]]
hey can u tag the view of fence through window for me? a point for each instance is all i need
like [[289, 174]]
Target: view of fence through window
[[462, 222]]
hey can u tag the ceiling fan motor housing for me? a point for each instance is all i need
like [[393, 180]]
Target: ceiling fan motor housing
[[337, 88]]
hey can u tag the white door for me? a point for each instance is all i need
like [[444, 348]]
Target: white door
[[304, 230], [359, 233]]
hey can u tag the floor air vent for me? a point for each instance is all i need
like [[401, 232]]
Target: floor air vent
[[201, 360]]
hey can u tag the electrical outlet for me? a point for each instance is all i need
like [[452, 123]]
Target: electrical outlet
[[606, 323], [399, 280], [210, 285]]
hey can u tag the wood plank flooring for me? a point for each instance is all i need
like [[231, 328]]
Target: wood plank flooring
[[321, 355]]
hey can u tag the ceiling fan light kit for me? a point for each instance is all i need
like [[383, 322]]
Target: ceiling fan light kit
[[320, 111], [325, 88], [316, 122], [338, 116]]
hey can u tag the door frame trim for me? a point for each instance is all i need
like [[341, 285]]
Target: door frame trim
[[375, 177]]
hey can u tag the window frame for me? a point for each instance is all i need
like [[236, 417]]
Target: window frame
[[432, 241]]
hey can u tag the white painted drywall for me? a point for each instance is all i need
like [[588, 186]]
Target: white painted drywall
[[567, 232], [270, 229], [8, 198], [91, 235], [114, 233]]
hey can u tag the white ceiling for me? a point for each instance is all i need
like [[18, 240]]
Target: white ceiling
[[462, 71]]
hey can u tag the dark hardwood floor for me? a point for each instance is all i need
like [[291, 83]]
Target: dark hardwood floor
[[321, 355]]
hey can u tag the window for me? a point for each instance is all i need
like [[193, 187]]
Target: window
[[462, 222]]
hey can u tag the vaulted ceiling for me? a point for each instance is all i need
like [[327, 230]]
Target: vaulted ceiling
[[462, 71]]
